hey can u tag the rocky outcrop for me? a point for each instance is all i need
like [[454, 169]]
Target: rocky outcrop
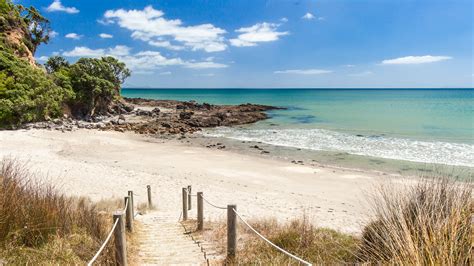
[[145, 116]]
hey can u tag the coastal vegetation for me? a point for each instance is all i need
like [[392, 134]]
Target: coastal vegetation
[[428, 223], [30, 92], [39, 225]]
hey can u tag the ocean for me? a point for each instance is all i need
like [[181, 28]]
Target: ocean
[[418, 125]]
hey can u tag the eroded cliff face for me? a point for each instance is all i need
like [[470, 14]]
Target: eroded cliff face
[[14, 39]]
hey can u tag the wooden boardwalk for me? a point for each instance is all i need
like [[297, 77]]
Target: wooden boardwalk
[[162, 241]]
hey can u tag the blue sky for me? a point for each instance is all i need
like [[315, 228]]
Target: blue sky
[[268, 44]]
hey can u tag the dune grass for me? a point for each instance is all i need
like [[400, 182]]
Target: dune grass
[[38, 225], [428, 222]]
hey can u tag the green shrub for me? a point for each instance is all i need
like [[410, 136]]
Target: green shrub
[[27, 94]]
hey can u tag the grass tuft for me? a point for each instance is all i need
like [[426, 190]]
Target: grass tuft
[[424, 224]]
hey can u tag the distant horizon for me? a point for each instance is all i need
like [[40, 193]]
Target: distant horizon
[[290, 88]]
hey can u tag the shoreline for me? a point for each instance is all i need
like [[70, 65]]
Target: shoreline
[[104, 164], [106, 158]]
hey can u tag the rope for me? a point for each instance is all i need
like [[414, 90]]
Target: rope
[[108, 237], [269, 242], [215, 206], [104, 244], [126, 205]]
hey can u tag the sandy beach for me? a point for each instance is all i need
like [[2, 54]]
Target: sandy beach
[[104, 164]]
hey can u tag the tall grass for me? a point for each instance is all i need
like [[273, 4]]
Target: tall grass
[[424, 223], [429, 223], [40, 225]]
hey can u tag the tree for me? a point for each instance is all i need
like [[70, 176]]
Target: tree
[[54, 63], [38, 26], [96, 83]]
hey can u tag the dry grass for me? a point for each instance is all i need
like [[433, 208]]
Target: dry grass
[[38, 225], [426, 223], [429, 223], [318, 245]]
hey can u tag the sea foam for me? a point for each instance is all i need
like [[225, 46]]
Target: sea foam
[[376, 146]]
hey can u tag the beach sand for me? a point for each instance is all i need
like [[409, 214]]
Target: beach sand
[[101, 165]]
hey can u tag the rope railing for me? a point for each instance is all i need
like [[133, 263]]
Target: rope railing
[[232, 215], [122, 219], [104, 244], [213, 205], [269, 242]]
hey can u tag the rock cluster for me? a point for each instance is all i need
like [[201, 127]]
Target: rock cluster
[[162, 117]]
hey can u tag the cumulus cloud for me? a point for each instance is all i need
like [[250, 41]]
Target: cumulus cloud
[[166, 44], [141, 62], [73, 36], [303, 71], [260, 32], [150, 25], [308, 16], [105, 36], [411, 60], [82, 51], [57, 6]]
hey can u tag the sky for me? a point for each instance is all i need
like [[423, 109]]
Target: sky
[[270, 44]]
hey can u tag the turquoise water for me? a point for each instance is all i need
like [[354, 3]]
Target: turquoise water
[[434, 126]]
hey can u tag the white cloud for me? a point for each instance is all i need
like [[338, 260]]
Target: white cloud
[[105, 36], [362, 74], [141, 62], [205, 75], [349, 65], [410, 60], [57, 6], [308, 16], [42, 58], [150, 25], [119, 50], [73, 35], [166, 73], [284, 19], [165, 44], [304, 71], [260, 32], [53, 34], [82, 51]]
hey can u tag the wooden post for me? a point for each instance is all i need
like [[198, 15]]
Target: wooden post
[[130, 194], [200, 212], [231, 231], [120, 240], [128, 214], [150, 203], [189, 197], [185, 204]]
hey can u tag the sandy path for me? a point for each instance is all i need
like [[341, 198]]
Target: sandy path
[[162, 241], [107, 164]]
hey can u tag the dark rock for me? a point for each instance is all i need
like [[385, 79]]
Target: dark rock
[[185, 115]]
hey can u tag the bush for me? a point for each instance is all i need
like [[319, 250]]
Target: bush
[[425, 224], [27, 94]]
